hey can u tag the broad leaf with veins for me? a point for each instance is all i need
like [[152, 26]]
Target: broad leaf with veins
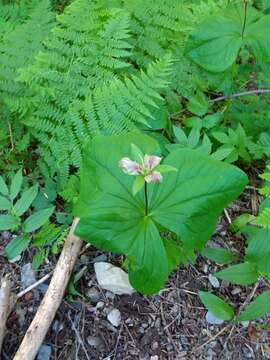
[[187, 203]]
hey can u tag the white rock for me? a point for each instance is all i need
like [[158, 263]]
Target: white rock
[[114, 317], [112, 278], [212, 319], [213, 281]]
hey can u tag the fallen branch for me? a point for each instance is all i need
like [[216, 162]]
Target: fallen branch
[[244, 93], [52, 299], [4, 307]]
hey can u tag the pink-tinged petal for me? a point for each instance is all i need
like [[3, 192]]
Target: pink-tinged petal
[[151, 161], [129, 167], [154, 177]]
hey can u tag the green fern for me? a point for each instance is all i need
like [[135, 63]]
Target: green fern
[[112, 108], [18, 50], [160, 26], [263, 219], [83, 85]]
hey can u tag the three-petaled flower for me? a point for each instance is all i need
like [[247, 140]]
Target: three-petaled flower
[[146, 168]]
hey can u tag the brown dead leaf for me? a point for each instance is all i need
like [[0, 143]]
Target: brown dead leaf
[[252, 333]]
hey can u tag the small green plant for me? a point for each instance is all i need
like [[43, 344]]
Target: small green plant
[[123, 216], [15, 204], [255, 263], [235, 145], [46, 241]]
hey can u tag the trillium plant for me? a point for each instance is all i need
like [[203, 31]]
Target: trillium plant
[[157, 210], [147, 171]]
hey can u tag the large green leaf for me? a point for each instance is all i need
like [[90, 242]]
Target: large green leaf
[[188, 203], [241, 274], [258, 250], [257, 37], [3, 187], [216, 42], [36, 220], [5, 204], [217, 306], [26, 200], [16, 184], [219, 255], [16, 246], [258, 308], [8, 222]]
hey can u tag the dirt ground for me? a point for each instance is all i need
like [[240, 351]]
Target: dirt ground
[[170, 325]]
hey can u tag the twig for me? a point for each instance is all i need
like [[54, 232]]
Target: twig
[[33, 286], [117, 341], [244, 93], [166, 329], [211, 339], [52, 299], [227, 216], [79, 337], [246, 302], [4, 307]]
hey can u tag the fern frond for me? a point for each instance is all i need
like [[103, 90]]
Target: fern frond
[[18, 50], [263, 219], [111, 108]]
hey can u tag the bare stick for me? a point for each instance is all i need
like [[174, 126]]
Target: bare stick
[[244, 93], [52, 299], [33, 286], [4, 307]]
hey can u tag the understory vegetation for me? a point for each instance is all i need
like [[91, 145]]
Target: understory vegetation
[[145, 119]]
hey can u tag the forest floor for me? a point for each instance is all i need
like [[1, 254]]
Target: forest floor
[[171, 325]]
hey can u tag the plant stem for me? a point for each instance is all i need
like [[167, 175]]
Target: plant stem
[[146, 198], [244, 93], [245, 18]]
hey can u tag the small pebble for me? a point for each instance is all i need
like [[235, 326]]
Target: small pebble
[[155, 345], [100, 305], [154, 357], [214, 281], [236, 291], [93, 294], [95, 342], [44, 352], [114, 317]]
